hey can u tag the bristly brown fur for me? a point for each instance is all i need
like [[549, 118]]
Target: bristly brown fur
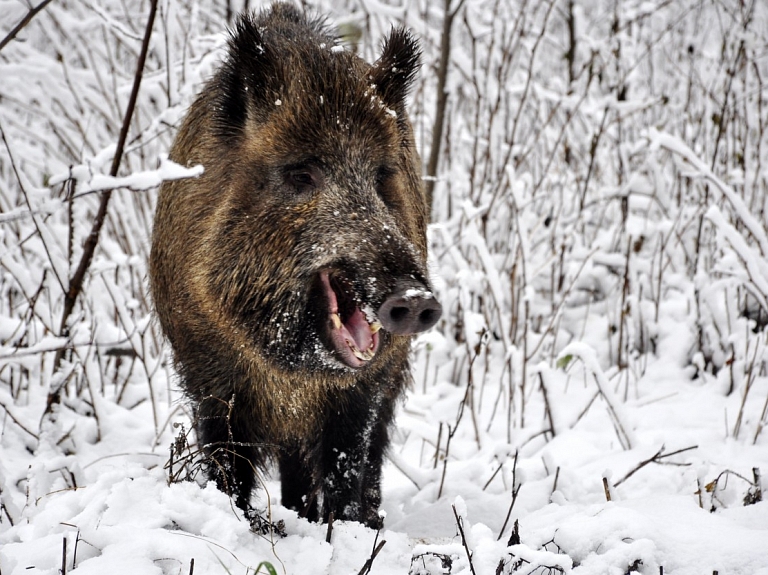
[[237, 252]]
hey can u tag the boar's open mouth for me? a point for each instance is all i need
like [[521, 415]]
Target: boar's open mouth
[[352, 334]]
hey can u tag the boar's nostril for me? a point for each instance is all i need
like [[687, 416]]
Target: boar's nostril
[[398, 314], [409, 311], [429, 317]]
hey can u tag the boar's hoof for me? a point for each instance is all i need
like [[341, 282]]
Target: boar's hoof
[[410, 309]]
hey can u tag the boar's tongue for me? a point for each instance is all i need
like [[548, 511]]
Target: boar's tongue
[[352, 337], [359, 329]]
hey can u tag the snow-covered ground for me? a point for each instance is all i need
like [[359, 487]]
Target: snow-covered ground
[[594, 400]]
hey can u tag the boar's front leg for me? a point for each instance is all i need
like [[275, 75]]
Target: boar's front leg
[[371, 484], [354, 441], [224, 431], [297, 486]]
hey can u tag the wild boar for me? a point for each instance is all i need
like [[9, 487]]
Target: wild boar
[[290, 277]]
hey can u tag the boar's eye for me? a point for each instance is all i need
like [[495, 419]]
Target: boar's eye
[[304, 178]]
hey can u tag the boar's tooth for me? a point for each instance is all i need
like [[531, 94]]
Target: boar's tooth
[[375, 326], [366, 355], [336, 320]]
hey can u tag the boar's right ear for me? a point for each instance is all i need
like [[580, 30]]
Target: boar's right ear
[[246, 77], [394, 72]]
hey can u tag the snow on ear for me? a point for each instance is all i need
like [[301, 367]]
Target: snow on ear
[[394, 71], [248, 75]]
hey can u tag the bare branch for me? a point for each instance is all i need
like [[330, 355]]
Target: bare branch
[[22, 24], [89, 248]]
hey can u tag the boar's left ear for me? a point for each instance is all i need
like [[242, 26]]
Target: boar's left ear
[[394, 71], [247, 76]]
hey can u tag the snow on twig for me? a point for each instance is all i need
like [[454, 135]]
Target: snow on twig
[[677, 146], [589, 357], [88, 181]]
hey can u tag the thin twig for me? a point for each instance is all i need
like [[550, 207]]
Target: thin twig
[[761, 421], [17, 422], [700, 493], [31, 13], [515, 491], [445, 460], [74, 553], [495, 473], [547, 407], [369, 563], [460, 525], [29, 207], [607, 489], [656, 458], [437, 446], [64, 555], [554, 484], [330, 528]]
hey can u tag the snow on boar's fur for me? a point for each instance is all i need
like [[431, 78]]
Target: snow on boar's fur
[[291, 276]]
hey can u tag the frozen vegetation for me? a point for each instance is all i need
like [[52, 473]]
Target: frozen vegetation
[[594, 400]]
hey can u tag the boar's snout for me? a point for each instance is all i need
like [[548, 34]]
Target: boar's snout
[[411, 308]]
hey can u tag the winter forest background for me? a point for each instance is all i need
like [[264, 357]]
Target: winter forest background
[[594, 399]]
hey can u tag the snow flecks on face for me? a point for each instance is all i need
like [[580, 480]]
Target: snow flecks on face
[[370, 316], [325, 357], [376, 100], [414, 293], [372, 287]]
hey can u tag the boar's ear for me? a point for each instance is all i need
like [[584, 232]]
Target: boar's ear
[[394, 72], [247, 76]]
